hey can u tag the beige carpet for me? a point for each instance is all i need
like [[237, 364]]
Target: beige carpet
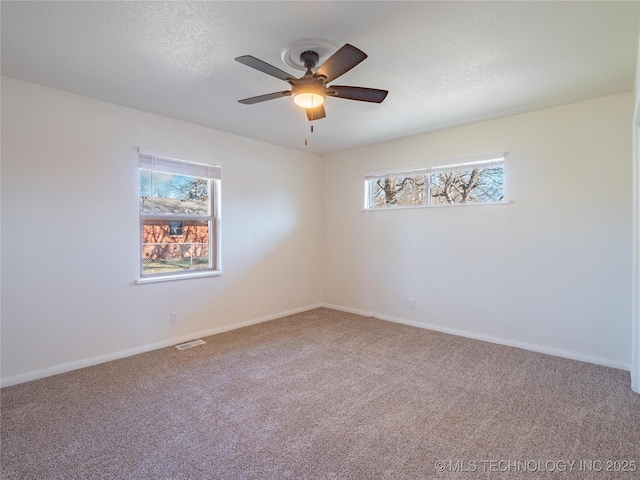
[[326, 395]]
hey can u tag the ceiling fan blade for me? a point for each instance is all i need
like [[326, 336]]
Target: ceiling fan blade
[[341, 62], [315, 113], [357, 93], [264, 67], [264, 98]]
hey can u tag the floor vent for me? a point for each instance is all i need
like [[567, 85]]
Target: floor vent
[[195, 343]]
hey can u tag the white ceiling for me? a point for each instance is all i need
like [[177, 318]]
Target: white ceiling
[[444, 63]]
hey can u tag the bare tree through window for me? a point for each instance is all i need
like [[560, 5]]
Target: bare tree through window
[[475, 184], [178, 218], [462, 186]]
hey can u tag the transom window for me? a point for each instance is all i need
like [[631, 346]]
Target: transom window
[[179, 218], [480, 181]]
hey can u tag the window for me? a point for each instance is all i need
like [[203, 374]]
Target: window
[[481, 181], [176, 229], [179, 218]]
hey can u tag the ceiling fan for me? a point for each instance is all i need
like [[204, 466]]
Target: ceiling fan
[[310, 90]]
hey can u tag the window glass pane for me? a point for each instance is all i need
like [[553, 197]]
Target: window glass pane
[[145, 191], [165, 251], [172, 193], [467, 186], [400, 190]]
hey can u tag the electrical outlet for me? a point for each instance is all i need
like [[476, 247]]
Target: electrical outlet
[[174, 317], [412, 303]]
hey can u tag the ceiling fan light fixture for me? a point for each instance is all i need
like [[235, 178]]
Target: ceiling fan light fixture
[[308, 96]]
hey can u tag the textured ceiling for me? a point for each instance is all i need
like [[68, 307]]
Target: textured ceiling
[[444, 63]]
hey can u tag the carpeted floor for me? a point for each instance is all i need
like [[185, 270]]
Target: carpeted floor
[[326, 395]]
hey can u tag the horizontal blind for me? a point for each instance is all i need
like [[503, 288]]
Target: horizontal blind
[[484, 161], [157, 163], [469, 166]]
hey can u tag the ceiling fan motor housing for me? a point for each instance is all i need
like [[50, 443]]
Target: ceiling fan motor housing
[[309, 59]]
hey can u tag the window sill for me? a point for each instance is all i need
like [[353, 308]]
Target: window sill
[[182, 276], [446, 205]]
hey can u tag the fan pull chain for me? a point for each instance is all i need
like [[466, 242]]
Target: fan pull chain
[[305, 137], [305, 131]]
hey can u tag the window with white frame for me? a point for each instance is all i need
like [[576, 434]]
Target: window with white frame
[[179, 217], [479, 181]]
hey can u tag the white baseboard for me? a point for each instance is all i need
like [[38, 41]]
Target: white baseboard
[[88, 362], [488, 338], [67, 367]]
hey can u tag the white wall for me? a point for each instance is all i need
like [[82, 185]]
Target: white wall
[[549, 272], [70, 233]]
